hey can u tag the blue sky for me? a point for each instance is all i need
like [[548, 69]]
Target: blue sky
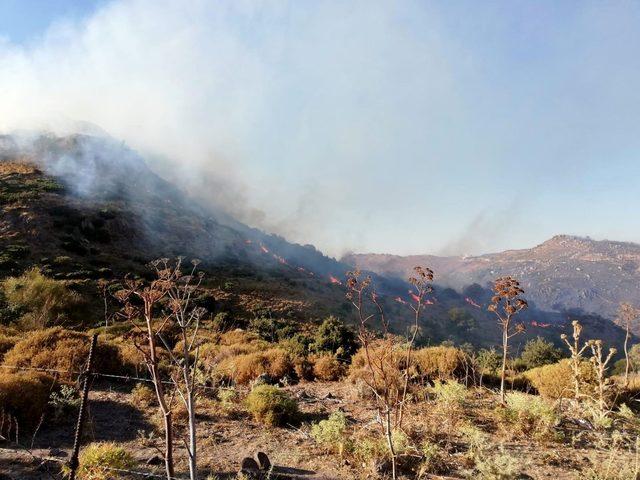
[[402, 127], [24, 20]]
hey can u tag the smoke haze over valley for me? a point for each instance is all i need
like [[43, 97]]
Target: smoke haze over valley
[[367, 126]]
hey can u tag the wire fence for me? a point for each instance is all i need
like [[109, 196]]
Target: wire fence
[[124, 378]]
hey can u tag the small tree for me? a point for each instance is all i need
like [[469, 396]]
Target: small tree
[[626, 315], [335, 337], [173, 290], [183, 314], [576, 355], [538, 352], [487, 360], [506, 303]]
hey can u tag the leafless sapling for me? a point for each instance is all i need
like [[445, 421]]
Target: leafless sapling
[[626, 315]]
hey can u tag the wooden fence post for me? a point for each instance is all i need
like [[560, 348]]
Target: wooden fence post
[[73, 462]]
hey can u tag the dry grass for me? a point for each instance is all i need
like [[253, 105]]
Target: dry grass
[[327, 368], [439, 363], [24, 396], [64, 350]]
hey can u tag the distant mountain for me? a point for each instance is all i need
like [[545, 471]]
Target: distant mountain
[[565, 273]]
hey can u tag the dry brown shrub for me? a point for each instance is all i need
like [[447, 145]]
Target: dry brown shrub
[[556, 380], [303, 368], [207, 355], [279, 362], [64, 350], [6, 343], [233, 337], [143, 395], [24, 396], [439, 363], [327, 368], [387, 356], [244, 368]]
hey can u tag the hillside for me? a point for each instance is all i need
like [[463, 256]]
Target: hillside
[[86, 208], [563, 273]]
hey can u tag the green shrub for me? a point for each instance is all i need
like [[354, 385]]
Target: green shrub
[[64, 402], [97, 458], [331, 433], [488, 361], [538, 352], [374, 451], [529, 415], [333, 336], [271, 405], [273, 329], [450, 393]]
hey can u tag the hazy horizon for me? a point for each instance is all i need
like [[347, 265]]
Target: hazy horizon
[[388, 127]]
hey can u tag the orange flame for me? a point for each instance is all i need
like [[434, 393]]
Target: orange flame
[[415, 297], [334, 280], [541, 325], [471, 302], [248, 242], [400, 300], [280, 259], [264, 249]]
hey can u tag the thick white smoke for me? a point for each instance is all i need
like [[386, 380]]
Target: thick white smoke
[[353, 124], [268, 109]]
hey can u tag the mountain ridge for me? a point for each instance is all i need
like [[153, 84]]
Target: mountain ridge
[[564, 273]]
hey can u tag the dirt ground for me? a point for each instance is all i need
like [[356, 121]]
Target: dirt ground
[[226, 437]]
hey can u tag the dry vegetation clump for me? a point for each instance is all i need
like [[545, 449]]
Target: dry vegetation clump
[[388, 355], [450, 401], [64, 350], [143, 396], [43, 301], [327, 368], [271, 405], [97, 459], [6, 343], [528, 416], [331, 434], [440, 363], [555, 381], [244, 368], [303, 367], [23, 399], [238, 336]]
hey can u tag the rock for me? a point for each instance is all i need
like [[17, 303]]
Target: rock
[[263, 379], [155, 460], [263, 461], [56, 452], [249, 467]]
